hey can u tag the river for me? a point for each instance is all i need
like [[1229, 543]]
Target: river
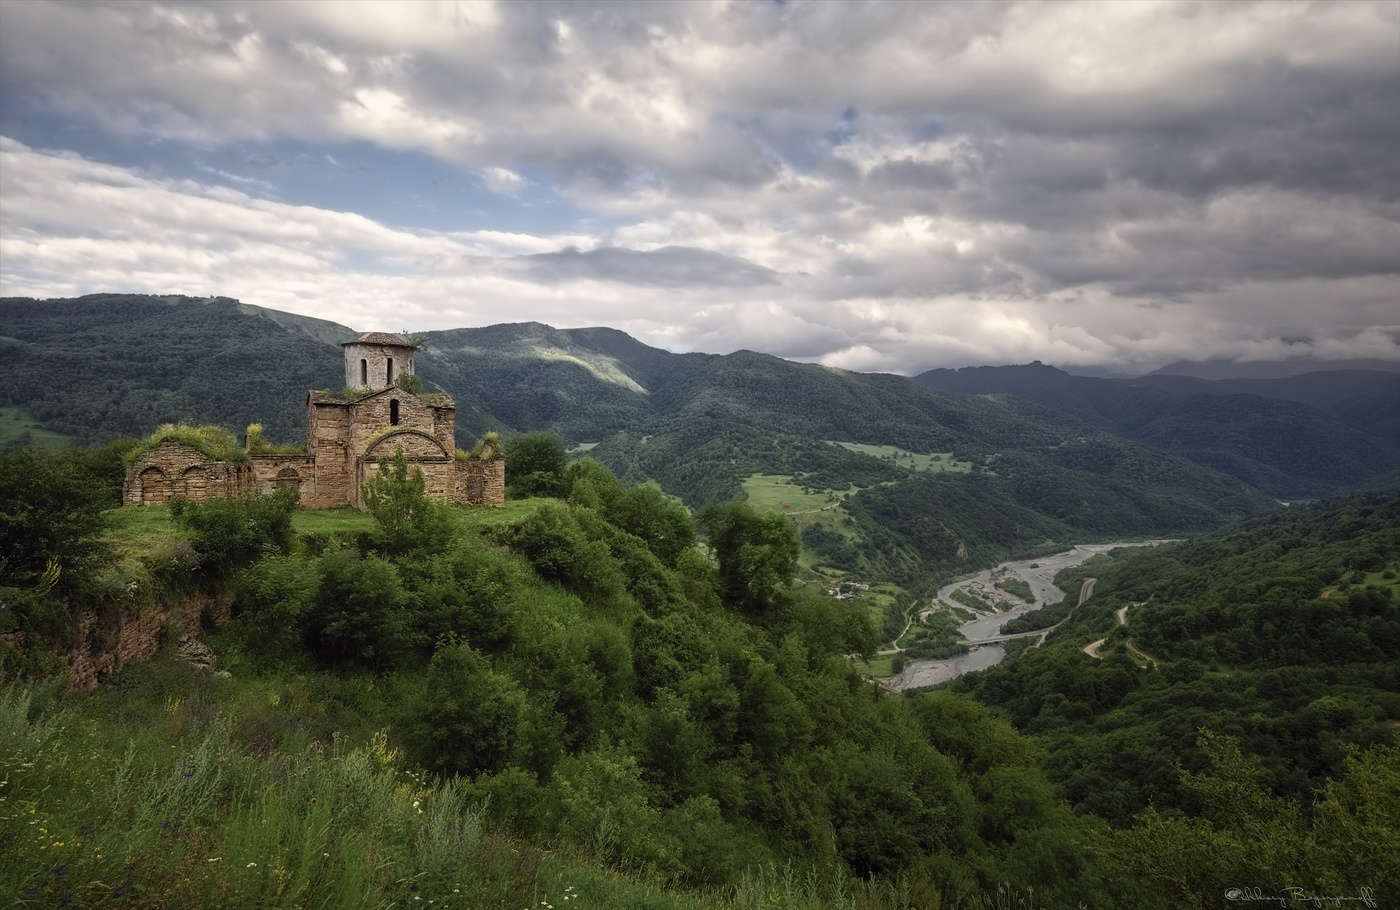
[[1039, 573]]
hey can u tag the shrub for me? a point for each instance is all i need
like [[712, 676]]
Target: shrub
[[231, 533], [50, 515], [561, 552], [471, 718], [276, 596], [535, 465], [359, 611], [398, 501]]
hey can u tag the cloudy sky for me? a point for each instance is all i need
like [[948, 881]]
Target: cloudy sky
[[871, 186]]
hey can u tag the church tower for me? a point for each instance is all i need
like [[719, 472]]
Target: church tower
[[375, 359]]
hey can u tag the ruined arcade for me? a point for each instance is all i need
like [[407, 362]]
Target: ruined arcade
[[347, 433]]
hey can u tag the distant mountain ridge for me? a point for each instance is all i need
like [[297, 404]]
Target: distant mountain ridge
[[1270, 369], [1046, 458], [1229, 425]]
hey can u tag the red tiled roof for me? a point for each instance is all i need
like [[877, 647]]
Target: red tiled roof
[[378, 338]]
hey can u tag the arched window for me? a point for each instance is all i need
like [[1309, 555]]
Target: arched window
[[391, 371], [364, 372], [393, 410]]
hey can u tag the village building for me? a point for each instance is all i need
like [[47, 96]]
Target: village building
[[347, 433]]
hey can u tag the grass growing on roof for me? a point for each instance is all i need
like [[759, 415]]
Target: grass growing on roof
[[215, 442]]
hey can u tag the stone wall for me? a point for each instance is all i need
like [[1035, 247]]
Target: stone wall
[[421, 451], [367, 365], [393, 409], [328, 445], [273, 472], [174, 469], [481, 482]]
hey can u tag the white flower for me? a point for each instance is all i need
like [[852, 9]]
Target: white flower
[[250, 865]]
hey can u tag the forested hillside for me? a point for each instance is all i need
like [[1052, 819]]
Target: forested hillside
[[1310, 435], [1282, 632], [1019, 476], [568, 699], [111, 365]]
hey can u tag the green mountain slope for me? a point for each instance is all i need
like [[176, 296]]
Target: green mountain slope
[[1282, 631], [1282, 445], [701, 425], [110, 365]]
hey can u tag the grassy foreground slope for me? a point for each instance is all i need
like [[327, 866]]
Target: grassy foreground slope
[[567, 703]]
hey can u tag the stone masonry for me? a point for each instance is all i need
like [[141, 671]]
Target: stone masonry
[[346, 435]]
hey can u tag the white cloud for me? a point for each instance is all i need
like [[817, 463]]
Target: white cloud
[[503, 180], [888, 185]]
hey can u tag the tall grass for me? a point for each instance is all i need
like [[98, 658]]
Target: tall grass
[[169, 795], [181, 815]]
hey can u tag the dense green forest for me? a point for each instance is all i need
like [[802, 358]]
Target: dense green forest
[[570, 700], [120, 365], [1305, 436], [701, 426], [1281, 632]]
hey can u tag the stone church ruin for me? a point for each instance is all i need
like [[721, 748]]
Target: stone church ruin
[[347, 433]]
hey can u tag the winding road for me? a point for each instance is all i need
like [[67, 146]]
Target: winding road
[[1093, 649]]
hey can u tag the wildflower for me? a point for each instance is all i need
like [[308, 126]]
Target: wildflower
[[250, 865]]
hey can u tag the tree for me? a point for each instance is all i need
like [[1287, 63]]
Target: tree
[[50, 514], [757, 555], [398, 500], [535, 465], [471, 718], [663, 524], [231, 533]]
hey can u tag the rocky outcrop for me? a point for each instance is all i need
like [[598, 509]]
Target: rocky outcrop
[[195, 653], [105, 642]]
